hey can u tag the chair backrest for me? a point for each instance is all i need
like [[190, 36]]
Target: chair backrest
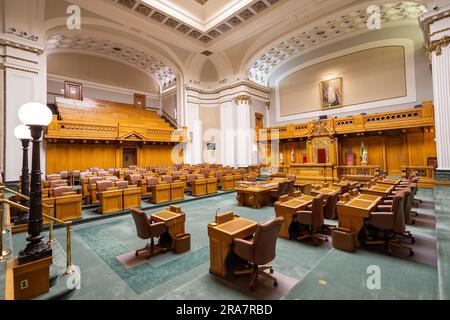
[[76, 173], [283, 188], [93, 180], [54, 176], [290, 186], [407, 204], [103, 173], [57, 183], [250, 178], [102, 185], [58, 191], [167, 178], [265, 241], [112, 178], [330, 208], [204, 171], [397, 209], [64, 174], [162, 170], [144, 228], [122, 184], [291, 177], [317, 210], [176, 174], [135, 178], [152, 181], [219, 174], [85, 174], [132, 167], [200, 176], [94, 169]]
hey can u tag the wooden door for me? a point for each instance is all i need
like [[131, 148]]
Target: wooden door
[[129, 157], [395, 156], [140, 101], [73, 90]]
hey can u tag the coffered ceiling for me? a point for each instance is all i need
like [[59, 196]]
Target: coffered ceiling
[[199, 20], [352, 22]]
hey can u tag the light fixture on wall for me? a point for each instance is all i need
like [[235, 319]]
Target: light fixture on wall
[[36, 116], [22, 132]]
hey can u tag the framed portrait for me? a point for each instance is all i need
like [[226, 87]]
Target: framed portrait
[[331, 93]]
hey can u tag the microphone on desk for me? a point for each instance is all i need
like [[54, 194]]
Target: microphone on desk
[[217, 211]]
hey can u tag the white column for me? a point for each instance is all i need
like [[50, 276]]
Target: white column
[[437, 31], [243, 132], [194, 125], [227, 126]]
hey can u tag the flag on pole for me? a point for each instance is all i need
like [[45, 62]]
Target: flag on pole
[[292, 154]]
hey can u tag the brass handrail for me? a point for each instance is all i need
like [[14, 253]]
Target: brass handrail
[[68, 224]]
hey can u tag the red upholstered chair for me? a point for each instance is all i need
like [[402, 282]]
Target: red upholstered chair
[[57, 183], [122, 184], [112, 178], [76, 177], [260, 250], [167, 178], [135, 179], [55, 176], [103, 185], [200, 176], [60, 191], [145, 229], [313, 220]]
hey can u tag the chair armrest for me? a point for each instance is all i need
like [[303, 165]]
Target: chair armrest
[[158, 228], [243, 249], [384, 208]]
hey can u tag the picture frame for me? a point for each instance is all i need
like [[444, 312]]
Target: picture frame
[[331, 95]]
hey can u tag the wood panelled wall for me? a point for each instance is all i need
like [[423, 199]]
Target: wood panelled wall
[[61, 156], [392, 149], [389, 149]]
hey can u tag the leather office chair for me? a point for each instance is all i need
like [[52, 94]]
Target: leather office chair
[[313, 219], [122, 184], [55, 176], [147, 230], [260, 250], [250, 178], [65, 175], [277, 193], [391, 221], [290, 186], [76, 177]]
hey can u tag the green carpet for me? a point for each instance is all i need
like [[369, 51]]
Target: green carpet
[[145, 276], [96, 245]]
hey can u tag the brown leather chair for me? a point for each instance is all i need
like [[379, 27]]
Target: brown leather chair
[[167, 178], [122, 184], [60, 191], [146, 229], [391, 221], [57, 183], [313, 220], [280, 191], [260, 250], [290, 186]]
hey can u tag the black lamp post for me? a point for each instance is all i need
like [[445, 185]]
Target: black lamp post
[[36, 116], [22, 132]]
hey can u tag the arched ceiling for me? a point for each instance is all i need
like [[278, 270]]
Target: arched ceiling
[[263, 64], [157, 67]]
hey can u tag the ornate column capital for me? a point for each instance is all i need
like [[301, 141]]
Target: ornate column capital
[[243, 99], [437, 45]]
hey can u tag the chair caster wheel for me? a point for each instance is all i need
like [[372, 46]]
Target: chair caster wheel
[[147, 257], [411, 253], [413, 241], [271, 270], [136, 253], [326, 239], [275, 284]]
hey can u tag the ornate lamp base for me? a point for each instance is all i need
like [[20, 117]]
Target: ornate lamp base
[[35, 251]]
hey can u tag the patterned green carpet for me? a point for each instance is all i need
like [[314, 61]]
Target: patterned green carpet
[[316, 272]]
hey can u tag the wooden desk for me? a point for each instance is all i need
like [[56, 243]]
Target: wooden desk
[[110, 201], [220, 239], [198, 187], [160, 193], [227, 183], [174, 222], [288, 210], [177, 191], [327, 191], [390, 181], [211, 185], [352, 214], [131, 198], [255, 196], [382, 190]]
